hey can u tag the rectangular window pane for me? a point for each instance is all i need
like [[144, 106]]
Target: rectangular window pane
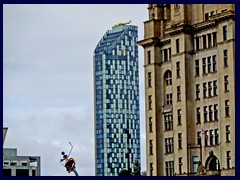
[[149, 57], [197, 67], [177, 46], [224, 33]]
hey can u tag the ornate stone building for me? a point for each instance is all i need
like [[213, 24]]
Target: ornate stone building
[[189, 67]]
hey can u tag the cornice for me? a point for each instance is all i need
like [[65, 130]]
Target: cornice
[[149, 42]]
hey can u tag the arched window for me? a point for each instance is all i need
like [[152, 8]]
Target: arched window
[[168, 78], [212, 163]]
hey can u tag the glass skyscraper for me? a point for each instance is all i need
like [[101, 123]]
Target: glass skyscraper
[[116, 90]]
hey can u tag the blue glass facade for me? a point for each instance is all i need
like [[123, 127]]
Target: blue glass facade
[[116, 100]]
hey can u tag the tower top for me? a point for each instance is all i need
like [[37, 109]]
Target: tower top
[[122, 23]]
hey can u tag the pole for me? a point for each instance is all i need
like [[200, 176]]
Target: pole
[[128, 153], [75, 172], [71, 149], [188, 147], [201, 152], [129, 150]]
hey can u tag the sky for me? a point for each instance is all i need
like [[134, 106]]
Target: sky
[[48, 94]]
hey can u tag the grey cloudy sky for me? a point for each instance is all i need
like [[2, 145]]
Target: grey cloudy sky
[[48, 79]]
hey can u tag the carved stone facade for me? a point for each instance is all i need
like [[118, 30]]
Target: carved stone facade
[[189, 67]]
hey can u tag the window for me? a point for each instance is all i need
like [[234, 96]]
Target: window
[[151, 147], [210, 89], [6, 163], [211, 137], [197, 43], [150, 124], [198, 115], [195, 161], [169, 168], [204, 90], [170, 53], [169, 145], [216, 136], [206, 138], [228, 137], [204, 42], [199, 139], [206, 16], [169, 98], [209, 36], [214, 63], [168, 121], [168, 78], [214, 39], [13, 163], [149, 80], [225, 57], [205, 113], [214, 164], [179, 140], [179, 117], [210, 113], [180, 165], [227, 110], [178, 93], [226, 84], [24, 164], [177, 46], [215, 88], [197, 91], [149, 57], [151, 169], [211, 13], [209, 64], [197, 67], [204, 66], [224, 33], [165, 55], [178, 69], [150, 102], [229, 161], [215, 112]]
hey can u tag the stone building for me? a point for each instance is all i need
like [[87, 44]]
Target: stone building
[[189, 62]]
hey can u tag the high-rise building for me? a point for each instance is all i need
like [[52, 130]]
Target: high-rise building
[[116, 90], [190, 89]]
